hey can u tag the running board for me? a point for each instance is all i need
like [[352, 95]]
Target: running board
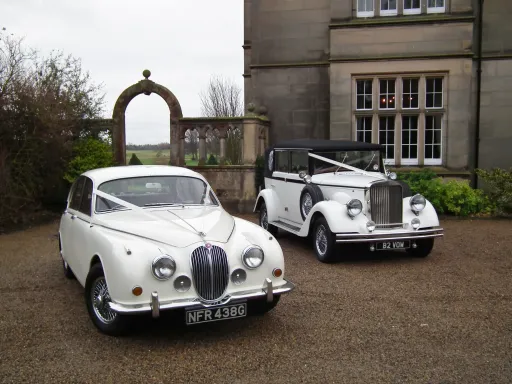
[[285, 226]]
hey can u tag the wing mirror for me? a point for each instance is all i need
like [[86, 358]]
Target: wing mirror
[[304, 176]]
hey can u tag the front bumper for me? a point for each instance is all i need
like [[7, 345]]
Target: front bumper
[[156, 306], [389, 235]]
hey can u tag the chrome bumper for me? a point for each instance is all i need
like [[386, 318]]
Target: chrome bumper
[[156, 306], [373, 237]]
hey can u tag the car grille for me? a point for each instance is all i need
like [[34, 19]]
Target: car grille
[[210, 271], [386, 203]]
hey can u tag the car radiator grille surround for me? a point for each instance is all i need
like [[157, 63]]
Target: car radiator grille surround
[[386, 203], [210, 271]]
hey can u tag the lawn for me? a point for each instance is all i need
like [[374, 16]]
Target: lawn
[[149, 157]]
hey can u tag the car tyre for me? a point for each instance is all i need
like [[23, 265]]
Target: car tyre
[[261, 306], [423, 249], [310, 195], [324, 241], [272, 229], [97, 298]]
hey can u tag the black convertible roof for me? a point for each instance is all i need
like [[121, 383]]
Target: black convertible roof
[[327, 145]]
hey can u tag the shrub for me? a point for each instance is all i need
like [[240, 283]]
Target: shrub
[[499, 188], [212, 160], [89, 153], [134, 160], [452, 197], [414, 178]]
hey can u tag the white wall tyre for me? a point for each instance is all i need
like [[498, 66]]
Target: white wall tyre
[[97, 298]]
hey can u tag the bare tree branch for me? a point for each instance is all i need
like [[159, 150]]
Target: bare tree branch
[[222, 98]]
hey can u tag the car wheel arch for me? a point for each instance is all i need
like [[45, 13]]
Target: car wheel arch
[[95, 260], [317, 215]]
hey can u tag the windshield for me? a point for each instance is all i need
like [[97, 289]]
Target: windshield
[[155, 191], [369, 161]]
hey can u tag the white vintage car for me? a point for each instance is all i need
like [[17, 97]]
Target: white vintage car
[[339, 193], [144, 239]]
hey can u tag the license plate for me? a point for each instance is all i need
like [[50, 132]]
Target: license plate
[[206, 315], [390, 245]]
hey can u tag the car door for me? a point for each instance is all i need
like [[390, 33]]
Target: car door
[[278, 183], [68, 227], [83, 231], [299, 160]]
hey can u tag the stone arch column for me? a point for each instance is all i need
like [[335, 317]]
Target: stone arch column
[[146, 87]]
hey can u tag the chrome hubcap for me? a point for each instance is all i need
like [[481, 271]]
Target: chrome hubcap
[[307, 204], [101, 300], [321, 240], [264, 219]]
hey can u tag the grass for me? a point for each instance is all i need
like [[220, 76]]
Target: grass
[[149, 157]]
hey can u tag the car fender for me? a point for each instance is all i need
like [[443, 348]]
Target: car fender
[[336, 215], [428, 217], [271, 200]]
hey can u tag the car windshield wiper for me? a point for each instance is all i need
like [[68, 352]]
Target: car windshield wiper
[[162, 204]]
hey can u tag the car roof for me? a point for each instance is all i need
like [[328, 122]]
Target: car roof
[[327, 145], [101, 175]]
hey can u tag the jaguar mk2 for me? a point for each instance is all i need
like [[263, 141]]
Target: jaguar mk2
[[339, 192]]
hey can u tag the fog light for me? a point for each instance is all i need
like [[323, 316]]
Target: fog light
[[372, 248], [414, 245], [277, 272], [182, 284], [370, 226], [137, 291], [238, 276], [415, 223]]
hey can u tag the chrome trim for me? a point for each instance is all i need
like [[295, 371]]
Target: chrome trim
[[247, 249], [392, 225], [155, 306], [270, 291], [386, 202], [372, 237], [210, 272]]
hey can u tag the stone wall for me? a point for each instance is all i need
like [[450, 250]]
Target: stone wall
[[233, 185]]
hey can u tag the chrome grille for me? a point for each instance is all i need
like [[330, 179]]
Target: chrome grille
[[210, 271], [386, 203]]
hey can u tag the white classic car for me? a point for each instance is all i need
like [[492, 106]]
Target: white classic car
[[339, 192], [144, 239]]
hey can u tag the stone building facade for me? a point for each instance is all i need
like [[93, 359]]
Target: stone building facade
[[397, 72]]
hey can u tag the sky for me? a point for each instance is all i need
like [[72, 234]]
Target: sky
[[182, 42]]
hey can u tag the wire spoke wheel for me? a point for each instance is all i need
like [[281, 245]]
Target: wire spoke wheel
[[100, 298], [307, 204], [264, 219], [321, 240]]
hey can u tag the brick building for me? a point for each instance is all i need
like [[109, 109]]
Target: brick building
[[402, 73]]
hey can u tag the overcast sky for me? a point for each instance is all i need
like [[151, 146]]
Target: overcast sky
[[182, 42]]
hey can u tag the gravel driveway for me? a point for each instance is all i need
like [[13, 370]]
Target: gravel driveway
[[375, 318]]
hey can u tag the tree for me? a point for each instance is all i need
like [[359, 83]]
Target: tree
[[192, 142], [223, 98], [134, 160], [46, 104]]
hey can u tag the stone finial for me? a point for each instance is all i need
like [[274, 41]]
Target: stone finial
[[146, 73], [262, 110], [251, 108]]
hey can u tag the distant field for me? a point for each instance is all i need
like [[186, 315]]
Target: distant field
[[149, 157]]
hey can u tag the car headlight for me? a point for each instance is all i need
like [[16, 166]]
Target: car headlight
[[252, 256], [417, 203], [354, 207], [163, 267]]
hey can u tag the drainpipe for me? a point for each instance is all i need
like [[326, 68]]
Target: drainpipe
[[478, 93]]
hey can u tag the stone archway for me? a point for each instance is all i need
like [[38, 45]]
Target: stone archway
[[146, 87]]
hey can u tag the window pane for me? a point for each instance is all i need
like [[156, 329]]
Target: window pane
[[434, 94], [414, 151], [299, 161], [282, 161], [433, 137], [387, 94], [364, 94], [430, 100], [364, 129], [438, 100], [364, 5], [387, 135], [76, 199], [85, 206], [409, 137], [410, 93], [388, 5], [411, 4], [430, 85], [435, 3]]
